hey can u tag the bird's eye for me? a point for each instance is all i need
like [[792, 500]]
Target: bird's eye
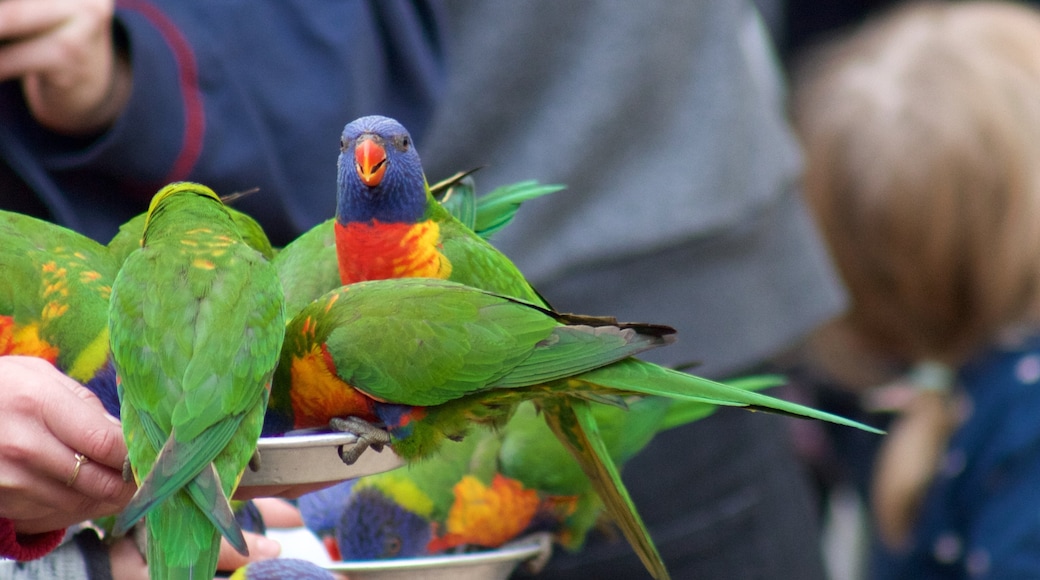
[[342, 145], [392, 546], [402, 143]]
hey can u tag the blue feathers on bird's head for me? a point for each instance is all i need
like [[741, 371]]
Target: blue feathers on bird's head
[[321, 509], [374, 527], [399, 194], [103, 384]]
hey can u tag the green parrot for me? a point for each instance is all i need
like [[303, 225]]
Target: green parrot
[[389, 226], [393, 350], [54, 300], [308, 267], [196, 322]]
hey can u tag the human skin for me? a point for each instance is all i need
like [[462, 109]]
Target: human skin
[[74, 78]]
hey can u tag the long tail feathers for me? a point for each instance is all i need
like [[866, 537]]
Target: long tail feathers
[[637, 376], [204, 488], [575, 427]]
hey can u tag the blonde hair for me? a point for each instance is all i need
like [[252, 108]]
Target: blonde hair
[[922, 137]]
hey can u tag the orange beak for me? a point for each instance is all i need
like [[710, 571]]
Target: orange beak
[[369, 161]]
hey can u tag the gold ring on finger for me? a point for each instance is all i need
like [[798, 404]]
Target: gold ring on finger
[[80, 461]]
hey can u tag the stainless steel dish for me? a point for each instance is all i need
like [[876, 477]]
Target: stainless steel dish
[[313, 458]]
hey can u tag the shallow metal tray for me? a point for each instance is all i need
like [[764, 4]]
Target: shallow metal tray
[[313, 458]]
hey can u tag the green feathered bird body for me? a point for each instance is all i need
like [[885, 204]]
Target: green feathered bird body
[[197, 320]]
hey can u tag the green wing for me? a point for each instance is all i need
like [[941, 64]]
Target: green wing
[[424, 342]]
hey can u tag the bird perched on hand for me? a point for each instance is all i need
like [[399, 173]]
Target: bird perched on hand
[[196, 323]]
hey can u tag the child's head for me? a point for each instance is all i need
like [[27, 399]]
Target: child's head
[[922, 137]]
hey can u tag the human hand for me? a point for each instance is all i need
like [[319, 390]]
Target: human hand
[[74, 79], [47, 419]]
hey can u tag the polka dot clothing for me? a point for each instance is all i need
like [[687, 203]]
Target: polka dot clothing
[[981, 517]]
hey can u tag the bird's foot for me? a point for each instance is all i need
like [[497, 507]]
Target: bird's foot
[[368, 435], [128, 471]]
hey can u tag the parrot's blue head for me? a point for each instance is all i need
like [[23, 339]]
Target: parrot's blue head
[[379, 174], [321, 509], [374, 527]]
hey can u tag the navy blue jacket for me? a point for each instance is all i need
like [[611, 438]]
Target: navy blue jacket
[[235, 95]]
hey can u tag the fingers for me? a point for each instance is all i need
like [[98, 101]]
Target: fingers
[[22, 18], [79, 421], [45, 425], [260, 548], [26, 26], [126, 561], [278, 513]]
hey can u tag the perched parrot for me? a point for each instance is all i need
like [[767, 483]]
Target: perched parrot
[[54, 301], [489, 489], [196, 323], [389, 226], [282, 569], [308, 265], [390, 351]]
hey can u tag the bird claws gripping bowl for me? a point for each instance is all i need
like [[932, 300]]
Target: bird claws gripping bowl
[[314, 457]]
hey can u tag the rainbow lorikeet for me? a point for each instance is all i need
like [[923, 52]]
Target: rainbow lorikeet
[[308, 266], [488, 489], [390, 350], [388, 225], [196, 322], [54, 300]]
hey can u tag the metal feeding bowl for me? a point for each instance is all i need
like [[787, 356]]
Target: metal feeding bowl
[[533, 550], [313, 458]]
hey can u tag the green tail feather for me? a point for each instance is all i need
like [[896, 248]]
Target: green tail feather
[[204, 489], [575, 426], [646, 378], [682, 411], [182, 545], [496, 209]]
